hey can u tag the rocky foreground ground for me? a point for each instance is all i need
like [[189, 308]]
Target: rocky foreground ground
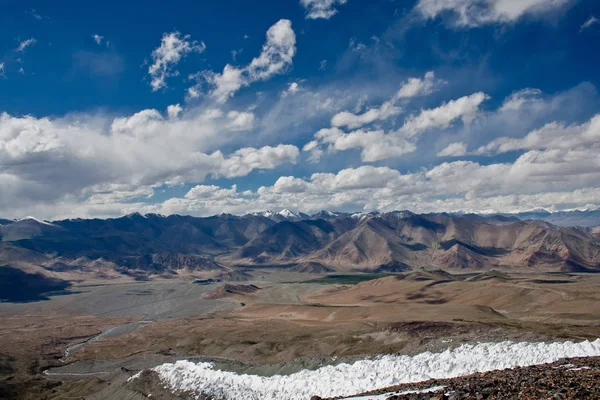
[[576, 378]]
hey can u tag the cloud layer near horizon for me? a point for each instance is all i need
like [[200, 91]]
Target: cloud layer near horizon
[[349, 144]]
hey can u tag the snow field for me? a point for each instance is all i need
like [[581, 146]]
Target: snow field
[[369, 374]]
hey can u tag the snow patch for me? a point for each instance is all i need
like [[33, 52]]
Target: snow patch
[[360, 215], [134, 376], [367, 375]]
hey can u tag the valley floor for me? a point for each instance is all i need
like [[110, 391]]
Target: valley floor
[[293, 322]]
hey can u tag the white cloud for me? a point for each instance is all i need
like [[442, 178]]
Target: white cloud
[[97, 38], [292, 89], [245, 160], [412, 88], [225, 84], [592, 20], [172, 49], [25, 44], [51, 161], [242, 121], [1, 69], [472, 13], [174, 110], [277, 53], [351, 120], [376, 145], [325, 9], [465, 108], [548, 179], [276, 56], [456, 149], [313, 147], [290, 184], [419, 87], [46, 171], [554, 135], [520, 98]]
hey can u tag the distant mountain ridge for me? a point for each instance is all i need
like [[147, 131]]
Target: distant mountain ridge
[[586, 218], [142, 245]]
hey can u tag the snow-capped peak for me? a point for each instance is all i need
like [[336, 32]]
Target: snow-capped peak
[[136, 214], [360, 215], [287, 213], [266, 213], [29, 218]]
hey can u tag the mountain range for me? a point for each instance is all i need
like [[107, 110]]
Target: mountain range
[[144, 245]]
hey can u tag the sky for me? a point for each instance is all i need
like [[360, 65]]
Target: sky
[[232, 106]]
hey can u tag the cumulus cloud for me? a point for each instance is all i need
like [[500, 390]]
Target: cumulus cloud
[[275, 58], [411, 88], [1, 69], [554, 135], [456, 149], [465, 108], [174, 110], [549, 179], [55, 160], [473, 13], [419, 86], [292, 89], [172, 49], [351, 120], [25, 44], [42, 159], [241, 120], [245, 160], [378, 145], [325, 9]]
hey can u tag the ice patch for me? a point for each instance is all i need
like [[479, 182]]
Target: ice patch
[[131, 378], [367, 375]]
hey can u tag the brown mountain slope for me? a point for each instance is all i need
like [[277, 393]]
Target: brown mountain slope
[[143, 246], [397, 242]]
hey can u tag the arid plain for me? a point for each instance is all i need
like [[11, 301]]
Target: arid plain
[[87, 342]]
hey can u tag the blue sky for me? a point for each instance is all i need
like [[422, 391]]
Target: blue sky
[[235, 106]]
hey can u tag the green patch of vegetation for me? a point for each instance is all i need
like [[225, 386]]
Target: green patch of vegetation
[[346, 279]]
